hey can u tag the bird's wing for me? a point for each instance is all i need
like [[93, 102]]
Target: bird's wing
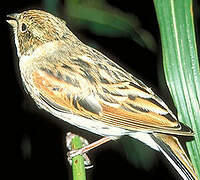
[[102, 90], [134, 108], [66, 92]]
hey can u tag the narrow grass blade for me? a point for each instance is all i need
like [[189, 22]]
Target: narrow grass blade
[[181, 65]]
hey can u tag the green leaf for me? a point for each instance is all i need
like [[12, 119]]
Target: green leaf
[[51, 6], [181, 65], [102, 19], [138, 153]]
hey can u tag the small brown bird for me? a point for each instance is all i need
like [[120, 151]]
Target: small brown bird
[[83, 87]]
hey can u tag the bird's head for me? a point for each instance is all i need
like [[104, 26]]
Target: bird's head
[[33, 28]]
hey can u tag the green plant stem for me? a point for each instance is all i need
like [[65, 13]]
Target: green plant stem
[[78, 167], [181, 65]]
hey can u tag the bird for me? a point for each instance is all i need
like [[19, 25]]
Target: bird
[[82, 86]]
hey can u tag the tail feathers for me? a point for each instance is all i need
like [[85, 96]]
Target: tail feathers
[[174, 152]]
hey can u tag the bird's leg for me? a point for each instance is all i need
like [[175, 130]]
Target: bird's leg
[[89, 147], [86, 146]]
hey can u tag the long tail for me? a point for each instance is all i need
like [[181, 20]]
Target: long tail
[[174, 152]]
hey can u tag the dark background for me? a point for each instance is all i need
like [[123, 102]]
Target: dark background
[[34, 141]]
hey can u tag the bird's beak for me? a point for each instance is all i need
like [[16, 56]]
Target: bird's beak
[[13, 19]]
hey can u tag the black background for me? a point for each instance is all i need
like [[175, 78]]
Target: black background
[[34, 141]]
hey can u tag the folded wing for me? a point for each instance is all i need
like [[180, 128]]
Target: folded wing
[[106, 92]]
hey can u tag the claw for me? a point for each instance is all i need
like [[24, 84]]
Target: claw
[[86, 147], [69, 138], [73, 153]]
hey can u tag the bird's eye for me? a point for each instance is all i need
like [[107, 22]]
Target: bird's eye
[[23, 27]]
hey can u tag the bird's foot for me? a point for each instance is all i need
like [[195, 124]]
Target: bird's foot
[[75, 152]]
